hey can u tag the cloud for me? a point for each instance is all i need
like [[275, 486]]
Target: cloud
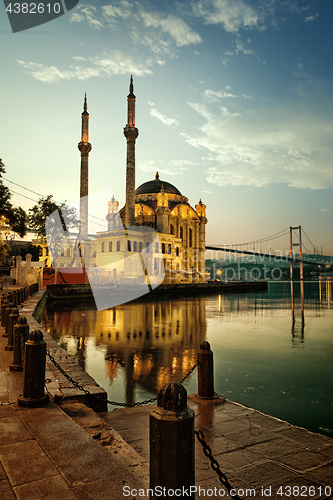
[[164, 119], [174, 26], [311, 18], [174, 167], [231, 14], [106, 64], [217, 95], [88, 13], [289, 143]]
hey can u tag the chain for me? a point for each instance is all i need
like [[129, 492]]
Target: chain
[[114, 403], [22, 345], [214, 463]]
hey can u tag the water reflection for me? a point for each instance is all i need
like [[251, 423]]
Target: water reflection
[[272, 351], [152, 343]]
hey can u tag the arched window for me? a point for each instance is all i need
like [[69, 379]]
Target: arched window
[[190, 237], [118, 246], [156, 247], [140, 246], [102, 246], [135, 246], [177, 251], [171, 229], [181, 232], [110, 246], [68, 252], [147, 247], [169, 249], [129, 246], [163, 247]]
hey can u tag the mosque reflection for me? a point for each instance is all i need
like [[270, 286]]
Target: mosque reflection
[[153, 343]]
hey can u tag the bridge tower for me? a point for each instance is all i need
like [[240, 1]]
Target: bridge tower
[[300, 251]]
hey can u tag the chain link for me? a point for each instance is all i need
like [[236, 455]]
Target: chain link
[[214, 463], [22, 345], [114, 403]]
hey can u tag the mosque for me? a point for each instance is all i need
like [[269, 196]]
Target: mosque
[[179, 250]]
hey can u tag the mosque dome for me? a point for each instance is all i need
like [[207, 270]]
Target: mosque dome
[[156, 186]]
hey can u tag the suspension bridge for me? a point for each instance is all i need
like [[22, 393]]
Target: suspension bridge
[[295, 240]]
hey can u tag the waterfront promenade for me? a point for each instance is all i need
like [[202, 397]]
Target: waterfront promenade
[[71, 452]]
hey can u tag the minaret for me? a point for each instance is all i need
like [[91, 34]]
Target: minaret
[[131, 133], [85, 148]]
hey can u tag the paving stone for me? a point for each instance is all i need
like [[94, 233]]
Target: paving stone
[[277, 447], [2, 473], [7, 411], [78, 457], [251, 436], [323, 475], [109, 489], [130, 435], [303, 460], [12, 430], [51, 488], [308, 439], [25, 461], [262, 474], [6, 492]]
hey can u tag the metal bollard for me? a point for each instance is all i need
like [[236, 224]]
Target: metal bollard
[[4, 305], [11, 322], [21, 335], [205, 372], [18, 297], [8, 311], [171, 438], [34, 372]]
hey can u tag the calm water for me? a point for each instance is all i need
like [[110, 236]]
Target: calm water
[[273, 351]]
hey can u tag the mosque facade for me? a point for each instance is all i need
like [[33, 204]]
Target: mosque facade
[[179, 250]]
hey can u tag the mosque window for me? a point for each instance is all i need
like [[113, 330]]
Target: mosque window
[[135, 246], [102, 246], [177, 251], [110, 246], [163, 247], [190, 237], [129, 245], [118, 246], [171, 229], [140, 246], [169, 249]]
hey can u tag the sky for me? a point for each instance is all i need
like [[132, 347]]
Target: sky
[[234, 106]]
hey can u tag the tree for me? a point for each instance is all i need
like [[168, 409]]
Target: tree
[[12, 219], [52, 222], [46, 207]]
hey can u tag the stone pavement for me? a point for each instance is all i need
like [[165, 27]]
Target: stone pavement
[[72, 452]]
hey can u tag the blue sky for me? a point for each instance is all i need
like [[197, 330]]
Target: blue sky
[[234, 106]]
